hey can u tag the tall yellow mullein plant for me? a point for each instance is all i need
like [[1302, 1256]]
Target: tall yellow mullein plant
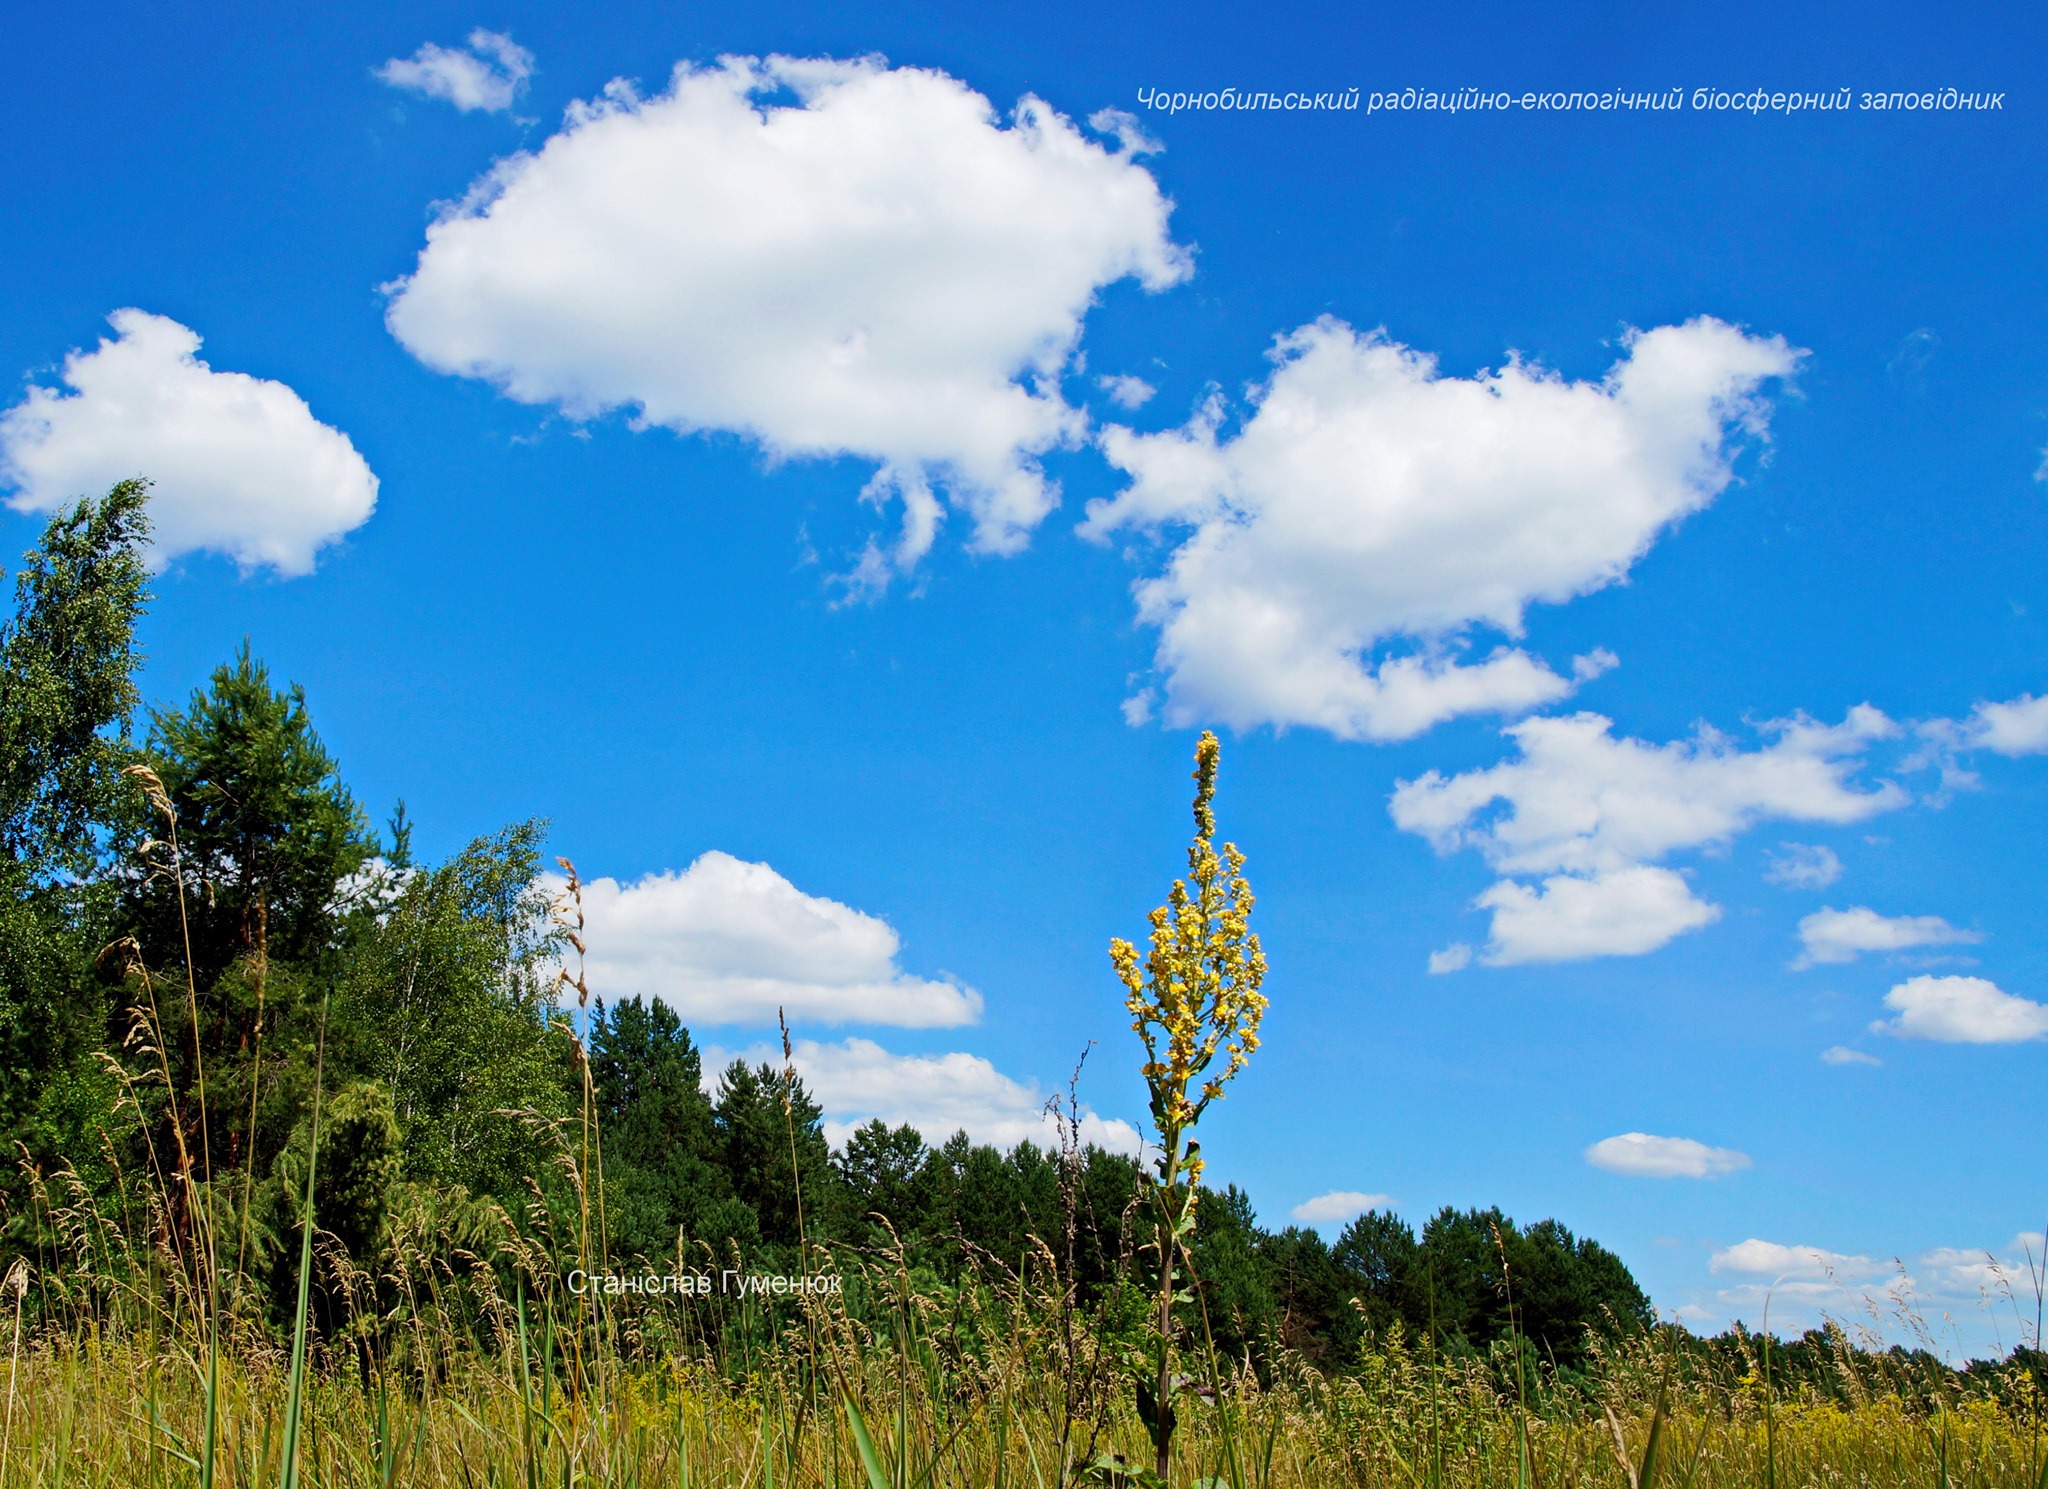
[[1194, 1001]]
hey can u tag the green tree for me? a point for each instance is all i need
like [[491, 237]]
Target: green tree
[[444, 997], [67, 688], [1231, 1274], [354, 1192], [978, 1203], [660, 1149], [67, 692], [1480, 1276], [267, 832], [887, 1182], [772, 1139], [1108, 1194], [1567, 1289], [1311, 1297], [238, 864], [1376, 1255]]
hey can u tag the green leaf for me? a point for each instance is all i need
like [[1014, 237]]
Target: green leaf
[[870, 1460]]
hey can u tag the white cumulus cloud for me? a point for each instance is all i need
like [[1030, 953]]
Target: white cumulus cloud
[[1642, 1156], [1591, 815], [1841, 1054], [1961, 1010], [1453, 958], [486, 73], [857, 1081], [881, 268], [1833, 936], [1802, 866], [1875, 1299], [1125, 390], [1370, 502], [1623, 912], [1771, 1259], [2019, 727], [1959, 1271], [730, 942], [240, 465], [1337, 1206]]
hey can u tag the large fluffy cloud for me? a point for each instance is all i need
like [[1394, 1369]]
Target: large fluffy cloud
[[858, 1081], [1592, 816], [1834, 936], [727, 942], [1370, 502], [879, 268], [1962, 1010], [241, 467], [1641, 1155], [486, 73]]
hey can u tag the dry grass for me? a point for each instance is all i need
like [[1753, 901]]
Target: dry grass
[[120, 1414], [1000, 1382]]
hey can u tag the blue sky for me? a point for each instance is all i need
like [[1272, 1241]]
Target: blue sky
[[1698, 448]]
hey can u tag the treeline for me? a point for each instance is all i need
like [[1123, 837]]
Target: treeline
[[201, 929], [715, 1171]]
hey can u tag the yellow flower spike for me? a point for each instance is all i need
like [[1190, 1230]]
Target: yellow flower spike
[[1195, 995]]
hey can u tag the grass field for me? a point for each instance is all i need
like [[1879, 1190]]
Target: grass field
[[900, 1381]]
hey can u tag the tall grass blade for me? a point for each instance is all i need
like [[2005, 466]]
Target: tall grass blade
[[526, 1408], [295, 1397], [864, 1444], [1646, 1476]]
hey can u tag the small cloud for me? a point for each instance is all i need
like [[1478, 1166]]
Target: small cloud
[[1841, 1054], [1961, 1010], [1802, 866], [1628, 912], [1642, 1156], [1908, 365], [1964, 1271], [1338, 1206], [2017, 727], [1130, 135], [1126, 391], [488, 74], [1805, 1286], [1770, 1259], [1137, 709], [1835, 936], [1453, 958], [1595, 662]]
